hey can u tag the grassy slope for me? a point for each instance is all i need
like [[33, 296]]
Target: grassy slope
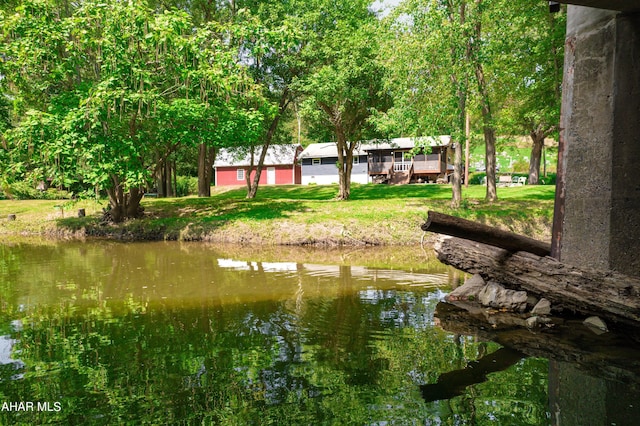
[[376, 214]]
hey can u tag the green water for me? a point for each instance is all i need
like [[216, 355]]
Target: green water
[[170, 333]]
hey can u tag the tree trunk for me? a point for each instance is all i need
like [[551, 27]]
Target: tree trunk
[[487, 117], [161, 182], [467, 147], [536, 154], [282, 106], [206, 158], [253, 185], [124, 205], [608, 294], [461, 88], [345, 164], [489, 138], [456, 183], [132, 204], [168, 176], [165, 177]]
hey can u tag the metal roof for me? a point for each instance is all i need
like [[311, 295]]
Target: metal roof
[[407, 143], [326, 149], [276, 155], [329, 149]]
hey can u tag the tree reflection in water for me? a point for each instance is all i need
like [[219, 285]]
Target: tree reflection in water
[[160, 334]]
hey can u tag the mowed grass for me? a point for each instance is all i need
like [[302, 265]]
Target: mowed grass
[[375, 214]]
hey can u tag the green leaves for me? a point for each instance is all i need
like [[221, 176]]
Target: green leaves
[[115, 88]]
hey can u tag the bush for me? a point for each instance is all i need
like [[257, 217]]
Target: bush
[[23, 190], [186, 185], [476, 178], [520, 166], [549, 179]]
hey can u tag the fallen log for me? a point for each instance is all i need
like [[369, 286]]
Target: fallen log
[[456, 227], [607, 294]]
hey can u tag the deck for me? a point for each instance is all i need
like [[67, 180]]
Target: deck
[[421, 165]]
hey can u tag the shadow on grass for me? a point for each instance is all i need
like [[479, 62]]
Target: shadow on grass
[[172, 219], [255, 210], [377, 192], [171, 216], [329, 192], [299, 192]]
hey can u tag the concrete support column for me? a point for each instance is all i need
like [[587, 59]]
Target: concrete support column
[[598, 198], [597, 216]]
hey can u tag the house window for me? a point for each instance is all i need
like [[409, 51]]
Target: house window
[[356, 159], [240, 174], [315, 161]]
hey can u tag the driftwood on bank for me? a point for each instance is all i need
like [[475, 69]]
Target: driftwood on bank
[[456, 227], [588, 291]]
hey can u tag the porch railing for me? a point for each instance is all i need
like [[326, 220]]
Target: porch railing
[[433, 163], [401, 167]]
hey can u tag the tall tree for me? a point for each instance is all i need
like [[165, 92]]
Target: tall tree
[[343, 87], [112, 74], [478, 57], [427, 54], [532, 89], [271, 44], [445, 55]]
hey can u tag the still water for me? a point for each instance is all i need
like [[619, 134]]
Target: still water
[[171, 333]]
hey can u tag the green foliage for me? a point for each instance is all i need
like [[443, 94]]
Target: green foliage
[[531, 58], [342, 89], [186, 185], [23, 190], [424, 49], [123, 89], [318, 345]]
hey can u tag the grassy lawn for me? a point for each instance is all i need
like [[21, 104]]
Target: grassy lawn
[[375, 214]]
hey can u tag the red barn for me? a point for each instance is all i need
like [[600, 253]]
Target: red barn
[[281, 166]]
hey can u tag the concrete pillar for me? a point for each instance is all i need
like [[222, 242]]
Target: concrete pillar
[[598, 200], [597, 217]]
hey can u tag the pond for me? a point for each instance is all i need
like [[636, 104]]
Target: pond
[[168, 333]]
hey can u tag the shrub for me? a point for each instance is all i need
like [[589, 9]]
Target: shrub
[[23, 190], [476, 178], [186, 185], [549, 179]]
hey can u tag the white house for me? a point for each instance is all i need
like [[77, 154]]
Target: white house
[[319, 164], [390, 161]]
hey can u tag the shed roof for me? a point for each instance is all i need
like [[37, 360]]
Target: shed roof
[[277, 155], [329, 149], [407, 143], [326, 149]]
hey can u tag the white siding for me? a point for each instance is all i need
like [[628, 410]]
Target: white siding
[[360, 174], [327, 174]]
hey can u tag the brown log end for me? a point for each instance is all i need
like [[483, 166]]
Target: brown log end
[[462, 228]]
